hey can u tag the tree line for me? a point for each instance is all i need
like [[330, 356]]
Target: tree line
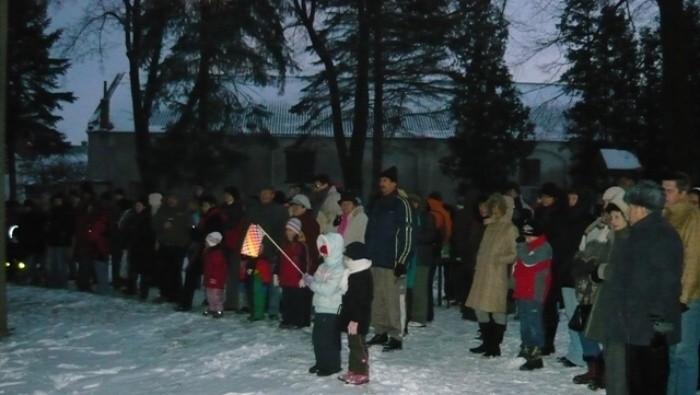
[[373, 62]]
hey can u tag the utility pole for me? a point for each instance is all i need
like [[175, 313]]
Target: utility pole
[[4, 331]]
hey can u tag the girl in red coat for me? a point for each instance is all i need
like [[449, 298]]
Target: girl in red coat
[[295, 306], [215, 272]]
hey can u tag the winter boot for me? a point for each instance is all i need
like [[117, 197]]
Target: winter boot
[[589, 376], [379, 338], [599, 377], [358, 379], [393, 344], [485, 330], [496, 338], [533, 358]]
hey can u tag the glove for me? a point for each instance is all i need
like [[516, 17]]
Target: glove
[[660, 325], [301, 283], [399, 270], [352, 328], [275, 280], [308, 279]]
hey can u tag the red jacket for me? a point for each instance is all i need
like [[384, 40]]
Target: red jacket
[[259, 267], [215, 267], [531, 271], [289, 276]]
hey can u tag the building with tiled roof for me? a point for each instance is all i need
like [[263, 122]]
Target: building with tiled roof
[[415, 144]]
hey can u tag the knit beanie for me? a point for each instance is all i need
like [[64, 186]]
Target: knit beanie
[[294, 224]]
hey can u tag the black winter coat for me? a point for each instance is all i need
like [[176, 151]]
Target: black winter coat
[[357, 302], [646, 283]]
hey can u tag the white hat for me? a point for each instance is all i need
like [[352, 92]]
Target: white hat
[[613, 192], [302, 200], [213, 239], [620, 203]]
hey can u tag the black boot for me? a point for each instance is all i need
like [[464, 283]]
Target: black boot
[[591, 371], [599, 376], [533, 359], [494, 345], [393, 344], [484, 328], [379, 338]]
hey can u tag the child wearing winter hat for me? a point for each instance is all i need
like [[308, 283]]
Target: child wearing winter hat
[[215, 272], [531, 280], [295, 306], [355, 312], [325, 284]]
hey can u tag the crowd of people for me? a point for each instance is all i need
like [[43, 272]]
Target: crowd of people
[[623, 267]]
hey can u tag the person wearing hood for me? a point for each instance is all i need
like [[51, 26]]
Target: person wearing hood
[[328, 293], [215, 273], [490, 288], [531, 279], [326, 197], [355, 311]]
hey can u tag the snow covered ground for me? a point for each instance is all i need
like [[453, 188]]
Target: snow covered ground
[[65, 342]]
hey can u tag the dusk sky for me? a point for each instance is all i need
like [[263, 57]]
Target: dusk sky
[[529, 24]]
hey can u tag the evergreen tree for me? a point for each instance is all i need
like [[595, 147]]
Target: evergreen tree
[[219, 45], [492, 126], [33, 93], [651, 144], [603, 73], [381, 58]]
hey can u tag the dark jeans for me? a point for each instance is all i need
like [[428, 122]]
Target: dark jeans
[[193, 278], [170, 258], [550, 315], [116, 255], [326, 340], [531, 327], [647, 369], [295, 306], [57, 259]]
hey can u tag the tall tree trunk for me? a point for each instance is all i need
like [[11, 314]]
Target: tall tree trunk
[[133, 35], [306, 13], [359, 133], [378, 67], [10, 150], [675, 97], [4, 331]]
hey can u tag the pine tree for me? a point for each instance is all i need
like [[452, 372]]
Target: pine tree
[[33, 94], [492, 125], [381, 61], [651, 144], [601, 50], [220, 44]]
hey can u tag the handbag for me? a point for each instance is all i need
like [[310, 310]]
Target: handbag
[[578, 320]]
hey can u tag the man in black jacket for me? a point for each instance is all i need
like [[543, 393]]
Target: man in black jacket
[[644, 312], [389, 239]]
